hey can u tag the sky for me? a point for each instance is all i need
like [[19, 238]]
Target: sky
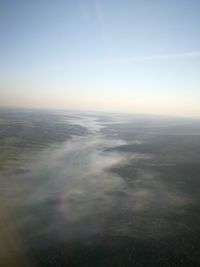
[[137, 56]]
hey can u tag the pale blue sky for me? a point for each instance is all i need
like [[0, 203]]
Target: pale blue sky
[[136, 56]]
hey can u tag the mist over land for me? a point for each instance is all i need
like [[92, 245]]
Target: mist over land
[[81, 187], [97, 189]]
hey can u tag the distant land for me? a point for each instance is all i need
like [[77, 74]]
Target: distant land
[[98, 189]]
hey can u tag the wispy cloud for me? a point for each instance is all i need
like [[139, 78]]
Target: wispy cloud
[[102, 22], [84, 10], [155, 57], [100, 15]]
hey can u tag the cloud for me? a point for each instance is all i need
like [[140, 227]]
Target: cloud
[[100, 15], [155, 57], [103, 26], [84, 10]]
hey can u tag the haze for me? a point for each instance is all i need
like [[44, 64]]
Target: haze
[[92, 189], [130, 56]]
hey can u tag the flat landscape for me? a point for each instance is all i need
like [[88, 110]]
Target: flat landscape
[[98, 189]]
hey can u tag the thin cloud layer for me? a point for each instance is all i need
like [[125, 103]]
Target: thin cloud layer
[[175, 56]]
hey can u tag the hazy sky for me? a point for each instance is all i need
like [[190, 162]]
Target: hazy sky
[[115, 55]]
